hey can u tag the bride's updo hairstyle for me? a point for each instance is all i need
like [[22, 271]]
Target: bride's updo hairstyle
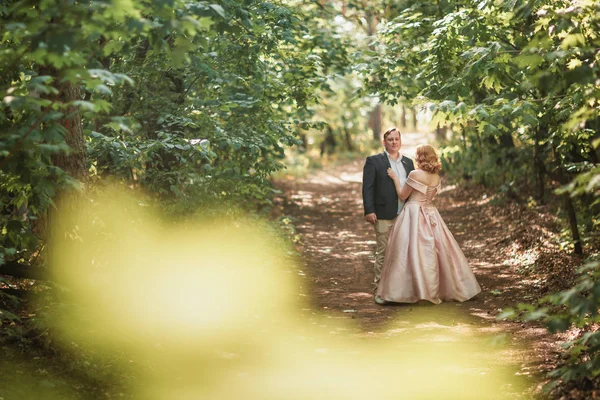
[[427, 159]]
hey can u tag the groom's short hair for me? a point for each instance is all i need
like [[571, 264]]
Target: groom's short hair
[[387, 133]]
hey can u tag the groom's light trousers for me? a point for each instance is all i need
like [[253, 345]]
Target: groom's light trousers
[[382, 234]]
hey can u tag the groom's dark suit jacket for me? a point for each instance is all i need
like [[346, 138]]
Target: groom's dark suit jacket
[[379, 193]]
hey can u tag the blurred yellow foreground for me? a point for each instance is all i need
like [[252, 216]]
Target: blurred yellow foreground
[[212, 311]]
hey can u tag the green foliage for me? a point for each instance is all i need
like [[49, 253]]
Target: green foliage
[[578, 307], [190, 102], [194, 102], [9, 306], [501, 170], [517, 83]]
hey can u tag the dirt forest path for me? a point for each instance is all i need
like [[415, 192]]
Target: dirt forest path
[[337, 245]]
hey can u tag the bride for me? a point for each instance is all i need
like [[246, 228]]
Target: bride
[[423, 260]]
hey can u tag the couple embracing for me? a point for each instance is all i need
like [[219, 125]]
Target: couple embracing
[[416, 257]]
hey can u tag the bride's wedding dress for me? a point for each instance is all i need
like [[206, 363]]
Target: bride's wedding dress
[[423, 260]]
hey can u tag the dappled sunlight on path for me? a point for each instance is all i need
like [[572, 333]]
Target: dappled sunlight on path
[[337, 253]]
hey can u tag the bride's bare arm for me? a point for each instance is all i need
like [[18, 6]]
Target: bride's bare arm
[[405, 192], [402, 191]]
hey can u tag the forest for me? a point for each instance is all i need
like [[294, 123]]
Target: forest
[[180, 207]]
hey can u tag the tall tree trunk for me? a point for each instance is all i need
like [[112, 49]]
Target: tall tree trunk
[[60, 221], [413, 111], [376, 117], [463, 144], [329, 143], [73, 162], [440, 132], [569, 207], [572, 216], [349, 144], [539, 166], [403, 117], [593, 153], [347, 135], [463, 135], [376, 114]]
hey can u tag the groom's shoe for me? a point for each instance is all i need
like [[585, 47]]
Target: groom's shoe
[[380, 301]]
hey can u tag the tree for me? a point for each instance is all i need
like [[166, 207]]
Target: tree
[[191, 102], [518, 83], [501, 74]]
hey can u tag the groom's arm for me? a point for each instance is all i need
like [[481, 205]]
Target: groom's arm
[[368, 187]]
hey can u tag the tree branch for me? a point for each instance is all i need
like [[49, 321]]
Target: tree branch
[[18, 270], [191, 84]]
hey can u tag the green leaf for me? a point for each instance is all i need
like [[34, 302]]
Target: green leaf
[[102, 106], [572, 40], [531, 61], [84, 105], [218, 9], [4, 314], [206, 22]]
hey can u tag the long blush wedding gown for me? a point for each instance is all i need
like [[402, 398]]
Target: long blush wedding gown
[[423, 260]]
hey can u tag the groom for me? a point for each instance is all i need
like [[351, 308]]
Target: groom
[[380, 200]]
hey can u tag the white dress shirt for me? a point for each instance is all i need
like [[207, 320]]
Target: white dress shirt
[[400, 172]]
